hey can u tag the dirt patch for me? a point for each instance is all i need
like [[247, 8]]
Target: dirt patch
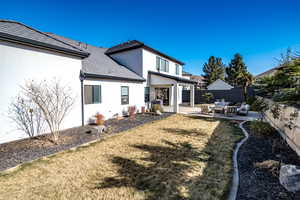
[[259, 161], [17, 152]]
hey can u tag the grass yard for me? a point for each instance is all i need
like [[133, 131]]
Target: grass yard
[[179, 157]]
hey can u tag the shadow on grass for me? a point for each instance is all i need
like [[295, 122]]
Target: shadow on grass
[[186, 132], [163, 174]]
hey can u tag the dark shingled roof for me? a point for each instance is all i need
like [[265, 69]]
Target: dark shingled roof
[[100, 65], [184, 73], [134, 44], [17, 32]]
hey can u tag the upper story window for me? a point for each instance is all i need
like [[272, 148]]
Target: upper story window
[[124, 95], [92, 94], [177, 69], [162, 64]]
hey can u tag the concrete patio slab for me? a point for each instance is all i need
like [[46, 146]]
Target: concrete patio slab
[[188, 110], [250, 117]]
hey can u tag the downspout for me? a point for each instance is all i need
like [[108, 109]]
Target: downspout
[[82, 77]]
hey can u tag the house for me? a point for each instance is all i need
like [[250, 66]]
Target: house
[[269, 72], [200, 80], [219, 85], [186, 75], [104, 80]]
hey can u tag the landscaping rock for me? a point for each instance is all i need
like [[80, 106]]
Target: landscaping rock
[[259, 167], [158, 112], [100, 129], [92, 120], [17, 152], [290, 177]]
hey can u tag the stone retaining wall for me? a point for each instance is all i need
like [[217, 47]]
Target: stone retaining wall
[[287, 123]]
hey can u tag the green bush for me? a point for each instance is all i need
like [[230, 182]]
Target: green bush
[[251, 100], [208, 97], [156, 107], [259, 105], [262, 129], [289, 94]]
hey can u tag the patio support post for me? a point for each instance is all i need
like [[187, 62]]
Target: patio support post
[[192, 96], [176, 105]]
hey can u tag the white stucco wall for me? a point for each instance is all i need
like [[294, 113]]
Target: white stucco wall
[[149, 64], [132, 59], [21, 63], [141, 61], [111, 98]]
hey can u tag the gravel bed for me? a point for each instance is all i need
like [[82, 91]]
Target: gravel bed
[[17, 152], [263, 182]]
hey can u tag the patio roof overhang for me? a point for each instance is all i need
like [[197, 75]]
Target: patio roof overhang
[[174, 78]]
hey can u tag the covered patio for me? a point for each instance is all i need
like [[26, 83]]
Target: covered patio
[[168, 89]]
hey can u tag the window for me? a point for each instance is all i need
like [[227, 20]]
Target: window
[[124, 95], [147, 94], [177, 69], [162, 64], [92, 94]]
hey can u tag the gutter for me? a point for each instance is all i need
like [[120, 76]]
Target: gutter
[[89, 75], [82, 78], [178, 79]]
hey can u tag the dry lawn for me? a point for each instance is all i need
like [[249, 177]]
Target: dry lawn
[[179, 157]]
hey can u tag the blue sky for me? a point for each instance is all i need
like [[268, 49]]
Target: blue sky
[[190, 31]]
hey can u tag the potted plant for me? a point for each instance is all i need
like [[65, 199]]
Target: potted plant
[[132, 111], [99, 119]]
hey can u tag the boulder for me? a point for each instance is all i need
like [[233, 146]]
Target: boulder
[[290, 177], [158, 112], [92, 120], [100, 129]]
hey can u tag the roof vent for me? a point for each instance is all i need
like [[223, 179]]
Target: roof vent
[[82, 45]]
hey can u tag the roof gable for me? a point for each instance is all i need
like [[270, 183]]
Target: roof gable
[[134, 44], [219, 85]]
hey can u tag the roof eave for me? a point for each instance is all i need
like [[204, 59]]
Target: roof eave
[[25, 41], [101, 76], [142, 45], [178, 79]]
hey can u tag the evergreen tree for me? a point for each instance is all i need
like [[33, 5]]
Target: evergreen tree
[[235, 69], [238, 75], [213, 69]]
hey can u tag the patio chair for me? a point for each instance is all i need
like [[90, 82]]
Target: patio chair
[[243, 110], [220, 105], [230, 111], [204, 109]]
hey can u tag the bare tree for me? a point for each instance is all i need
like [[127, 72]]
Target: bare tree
[[54, 100], [27, 115]]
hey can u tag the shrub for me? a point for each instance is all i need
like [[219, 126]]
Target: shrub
[[250, 100], [289, 94], [156, 107], [276, 111], [263, 129], [208, 97], [259, 105], [271, 166], [54, 99], [27, 116]]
